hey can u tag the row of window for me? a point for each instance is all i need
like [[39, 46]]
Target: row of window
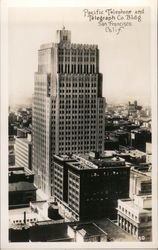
[[22, 221], [75, 90], [77, 51], [76, 59], [76, 69], [78, 78]]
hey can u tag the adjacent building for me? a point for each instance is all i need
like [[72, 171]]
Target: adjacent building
[[88, 186], [140, 182], [50, 231], [68, 107], [23, 152], [21, 187], [139, 138], [23, 132], [30, 215], [135, 216]]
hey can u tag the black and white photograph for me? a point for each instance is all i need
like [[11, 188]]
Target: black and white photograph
[[79, 124]]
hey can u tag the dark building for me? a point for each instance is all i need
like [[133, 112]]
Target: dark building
[[115, 138], [12, 120], [89, 185], [111, 143], [21, 187], [139, 138]]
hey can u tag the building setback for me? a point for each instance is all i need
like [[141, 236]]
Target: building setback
[[88, 186], [68, 107]]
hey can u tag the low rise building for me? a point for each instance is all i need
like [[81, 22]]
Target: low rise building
[[132, 155], [35, 212], [135, 216], [21, 187], [86, 232], [52, 231]]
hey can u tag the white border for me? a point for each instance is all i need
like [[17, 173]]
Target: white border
[[4, 117]]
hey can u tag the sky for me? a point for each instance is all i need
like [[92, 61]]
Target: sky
[[124, 58]]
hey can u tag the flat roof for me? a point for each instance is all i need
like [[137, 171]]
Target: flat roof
[[20, 211], [115, 233], [87, 161], [49, 231], [88, 229], [21, 186], [19, 171], [130, 203]]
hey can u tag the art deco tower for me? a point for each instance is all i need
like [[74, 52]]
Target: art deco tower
[[68, 107]]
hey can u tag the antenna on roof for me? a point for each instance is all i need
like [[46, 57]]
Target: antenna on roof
[[63, 26]]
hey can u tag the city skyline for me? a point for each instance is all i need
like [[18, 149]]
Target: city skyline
[[122, 58]]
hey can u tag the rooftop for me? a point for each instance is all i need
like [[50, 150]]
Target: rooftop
[[92, 160], [19, 171], [131, 204], [48, 231], [25, 130], [88, 229], [19, 211], [140, 171], [114, 232], [21, 186], [103, 161]]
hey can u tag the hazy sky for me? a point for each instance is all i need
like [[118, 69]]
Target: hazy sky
[[124, 58]]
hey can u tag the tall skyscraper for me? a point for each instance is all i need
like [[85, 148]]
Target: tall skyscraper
[[68, 107]]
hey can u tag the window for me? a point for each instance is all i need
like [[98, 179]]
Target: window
[[149, 218], [64, 38]]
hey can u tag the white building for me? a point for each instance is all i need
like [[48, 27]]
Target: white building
[[134, 216], [23, 152]]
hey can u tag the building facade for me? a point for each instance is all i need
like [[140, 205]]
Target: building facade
[[23, 152], [135, 216], [89, 186], [68, 107]]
